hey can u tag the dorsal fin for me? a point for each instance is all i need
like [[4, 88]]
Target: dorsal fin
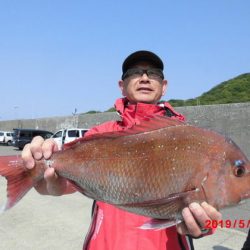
[[148, 123]]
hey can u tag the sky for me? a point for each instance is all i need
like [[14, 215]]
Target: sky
[[60, 56]]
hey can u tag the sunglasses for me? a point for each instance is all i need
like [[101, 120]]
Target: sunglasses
[[152, 73]]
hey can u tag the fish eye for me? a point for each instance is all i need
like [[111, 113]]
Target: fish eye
[[239, 168], [240, 171]]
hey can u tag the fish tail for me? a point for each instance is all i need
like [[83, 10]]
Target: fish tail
[[19, 180]]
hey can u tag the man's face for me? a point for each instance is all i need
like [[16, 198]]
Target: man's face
[[143, 88]]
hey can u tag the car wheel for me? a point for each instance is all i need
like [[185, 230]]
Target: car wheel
[[9, 143]]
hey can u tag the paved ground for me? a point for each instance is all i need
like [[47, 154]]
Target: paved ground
[[60, 223]]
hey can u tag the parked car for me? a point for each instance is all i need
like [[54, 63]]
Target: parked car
[[6, 137], [67, 135], [23, 136]]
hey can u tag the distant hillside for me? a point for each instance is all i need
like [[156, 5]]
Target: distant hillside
[[235, 90]]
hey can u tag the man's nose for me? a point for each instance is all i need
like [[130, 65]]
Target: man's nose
[[144, 77]]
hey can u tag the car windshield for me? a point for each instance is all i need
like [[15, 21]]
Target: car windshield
[[58, 134]]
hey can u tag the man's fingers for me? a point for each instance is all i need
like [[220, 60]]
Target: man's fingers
[[212, 213], [36, 147], [48, 147], [50, 175], [196, 216], [182, 228], [192, 226], [199, 214], [55, 184], [32, 151], [27, 157]]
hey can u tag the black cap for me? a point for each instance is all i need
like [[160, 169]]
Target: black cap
[[139, 56]]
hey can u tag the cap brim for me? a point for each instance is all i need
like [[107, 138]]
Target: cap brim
[[142, 56]]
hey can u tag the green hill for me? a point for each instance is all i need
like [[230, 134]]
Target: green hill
[[235, 90]]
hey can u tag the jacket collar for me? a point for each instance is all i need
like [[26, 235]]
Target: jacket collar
[[132, 113]]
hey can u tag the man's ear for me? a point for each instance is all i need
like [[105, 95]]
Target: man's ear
[[121, 86], [164, 87]]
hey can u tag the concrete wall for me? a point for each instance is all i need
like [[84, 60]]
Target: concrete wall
[[232, 120]]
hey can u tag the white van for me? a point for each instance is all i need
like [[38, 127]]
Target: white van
[[6, 137], [67, 135]]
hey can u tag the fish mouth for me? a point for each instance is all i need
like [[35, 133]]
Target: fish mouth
[[245, 196]]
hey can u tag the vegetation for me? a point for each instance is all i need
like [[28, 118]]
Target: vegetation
[[92, 112], [235, 90], [111, 110]]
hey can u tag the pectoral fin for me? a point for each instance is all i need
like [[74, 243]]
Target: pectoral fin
[[169, 199], [157, 224]]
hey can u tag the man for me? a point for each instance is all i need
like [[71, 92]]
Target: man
[[142, 86]]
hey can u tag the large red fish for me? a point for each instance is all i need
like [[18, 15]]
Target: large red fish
[[153, 169]]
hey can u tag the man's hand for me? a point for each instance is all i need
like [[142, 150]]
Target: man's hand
[[195, 217], [52, 183]]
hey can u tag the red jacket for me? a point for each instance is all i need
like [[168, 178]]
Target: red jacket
[[115, 229]]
